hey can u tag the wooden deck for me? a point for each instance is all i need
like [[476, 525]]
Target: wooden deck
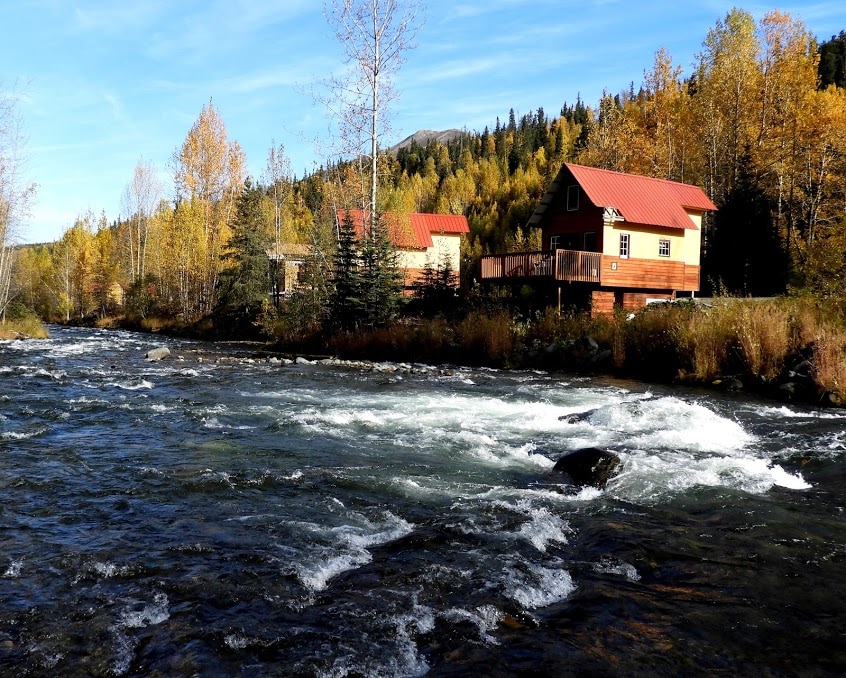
[[592, 267], [569, 265]]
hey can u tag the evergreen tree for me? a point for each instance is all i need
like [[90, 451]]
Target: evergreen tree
[[244, 283], [832, 66], [382, 281], [745, 253], [436, 289], [345, 302]]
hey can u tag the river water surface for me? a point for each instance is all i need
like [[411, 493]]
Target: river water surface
[[199, 516]]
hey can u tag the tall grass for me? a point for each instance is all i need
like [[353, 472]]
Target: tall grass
[[704, 342], [27, 326], [763, 336], [829, 361], [494, 336]]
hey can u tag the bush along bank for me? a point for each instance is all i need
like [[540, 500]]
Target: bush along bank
[[790, 349]]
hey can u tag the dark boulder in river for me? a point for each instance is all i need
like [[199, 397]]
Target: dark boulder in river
[[590, 466]]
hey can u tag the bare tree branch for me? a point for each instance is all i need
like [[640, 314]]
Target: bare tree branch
[[374, 35]]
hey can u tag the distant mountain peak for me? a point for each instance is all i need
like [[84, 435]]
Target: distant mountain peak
[[424, 136]]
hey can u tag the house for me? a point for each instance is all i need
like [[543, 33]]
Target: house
[[286, 266], [420, 240], [614, 239]]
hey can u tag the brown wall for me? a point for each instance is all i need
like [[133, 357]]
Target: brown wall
[[654, 274], [601, 302]]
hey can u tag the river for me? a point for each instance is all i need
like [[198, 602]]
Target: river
[[211, 514]]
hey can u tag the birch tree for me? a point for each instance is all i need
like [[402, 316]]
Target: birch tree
[[279, 186], [374, 36], [140, 199], [15, 192]]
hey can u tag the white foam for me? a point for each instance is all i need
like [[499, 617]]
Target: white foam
[[315, 576], [149, 614], [670, 423], [347, 549], [787, 413], [139, 385], [137, 615], [538, 586], [486, 618], [108, 570], [236, 641], [216, 424], [543, 528], [608, 565], [782, 478], [650, 477], [23, 435], [13, 571]]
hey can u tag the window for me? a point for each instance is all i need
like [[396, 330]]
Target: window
[[590, 241], [572, 198], [663, 248], [625, 241], [554, 242]]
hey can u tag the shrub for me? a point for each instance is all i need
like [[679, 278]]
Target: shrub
[[492, 336], [829, 361], [704, 339], [650, 339], [763, 336], [21, 321]]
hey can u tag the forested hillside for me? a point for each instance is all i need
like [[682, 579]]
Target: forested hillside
[[759, 123]]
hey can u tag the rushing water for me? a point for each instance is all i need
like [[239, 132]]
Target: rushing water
[[199, 516]]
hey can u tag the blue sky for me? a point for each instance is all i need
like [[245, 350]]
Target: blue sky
[[103, 83]]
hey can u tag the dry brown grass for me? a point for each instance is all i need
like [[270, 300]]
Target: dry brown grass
[[26, 327], [763, 336], [493, 336], [829, 361], [704, 341]]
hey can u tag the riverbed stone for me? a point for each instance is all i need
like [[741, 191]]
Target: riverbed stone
[[728, 384], [158, 353], [589, 466]]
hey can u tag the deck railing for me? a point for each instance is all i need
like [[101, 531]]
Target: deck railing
[[577, 266], [569, 265]]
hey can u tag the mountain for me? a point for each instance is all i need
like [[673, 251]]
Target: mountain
[[424, 136]]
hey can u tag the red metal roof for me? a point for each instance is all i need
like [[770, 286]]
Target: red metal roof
[[642, 200], [413, 231]]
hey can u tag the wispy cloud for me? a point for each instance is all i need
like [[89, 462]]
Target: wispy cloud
[[117, 17]]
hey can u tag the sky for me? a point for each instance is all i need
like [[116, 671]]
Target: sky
[[104, 84]]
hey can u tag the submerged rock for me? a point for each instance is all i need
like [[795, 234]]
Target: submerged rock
[[576, 417], [590, 466], [158, 353], [728, 384]]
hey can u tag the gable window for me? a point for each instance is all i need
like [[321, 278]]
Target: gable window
[[572, 198], [663, 248], [554, 242], [625, 243]]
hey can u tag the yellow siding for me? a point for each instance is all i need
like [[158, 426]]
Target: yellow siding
[[442, 246], [685, 245]]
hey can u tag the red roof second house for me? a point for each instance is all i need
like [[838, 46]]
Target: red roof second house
[[414, 230]]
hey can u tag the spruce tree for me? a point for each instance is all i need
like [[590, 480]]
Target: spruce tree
[[832, 65], [243, 286], [435, 289], [381, 278], [345, 302]]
